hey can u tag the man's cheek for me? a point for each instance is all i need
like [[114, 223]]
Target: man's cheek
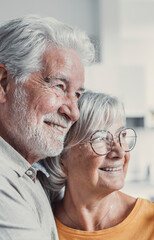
[[50, 104]]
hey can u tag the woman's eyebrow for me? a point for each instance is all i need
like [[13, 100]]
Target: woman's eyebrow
[[120, 129]]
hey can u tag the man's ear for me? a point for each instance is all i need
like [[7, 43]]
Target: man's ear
[[4, 84]]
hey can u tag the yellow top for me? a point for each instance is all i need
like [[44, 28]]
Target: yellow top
[[139, 225]]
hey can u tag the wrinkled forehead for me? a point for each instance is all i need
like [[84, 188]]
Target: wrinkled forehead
[[58, 58], [61, 63]]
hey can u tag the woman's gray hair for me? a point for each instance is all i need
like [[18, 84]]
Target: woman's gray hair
[[24, 40], [95, 109]]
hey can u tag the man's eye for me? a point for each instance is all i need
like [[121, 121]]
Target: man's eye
[[61, 86], [78, 95]]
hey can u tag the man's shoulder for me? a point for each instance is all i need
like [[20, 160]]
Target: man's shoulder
[[8, 183], [6, 172]]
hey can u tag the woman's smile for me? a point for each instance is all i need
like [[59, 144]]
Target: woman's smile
[[112, 169]]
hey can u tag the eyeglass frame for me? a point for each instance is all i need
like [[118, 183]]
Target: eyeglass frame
[[111, 142]]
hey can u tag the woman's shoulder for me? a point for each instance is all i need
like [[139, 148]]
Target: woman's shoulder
[[136, 205], [127, 200], [146, 204], [139, 205], [130, 200]]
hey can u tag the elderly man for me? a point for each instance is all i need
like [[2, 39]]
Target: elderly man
[[41, 80]]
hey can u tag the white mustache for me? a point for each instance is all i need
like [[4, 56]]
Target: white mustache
[[58, 120]]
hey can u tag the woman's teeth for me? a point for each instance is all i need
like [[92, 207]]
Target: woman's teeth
[[109, 169]]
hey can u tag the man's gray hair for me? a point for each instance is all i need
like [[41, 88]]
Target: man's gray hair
[[95, 109], [24, 40]]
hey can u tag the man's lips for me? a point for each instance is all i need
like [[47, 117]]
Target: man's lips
[[55, 124], [63, 128]]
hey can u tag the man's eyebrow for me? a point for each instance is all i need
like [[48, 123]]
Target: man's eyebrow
[[82, 89], [62, 78]]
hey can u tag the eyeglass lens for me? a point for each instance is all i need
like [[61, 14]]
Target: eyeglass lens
[[101, 141], [127, 139]]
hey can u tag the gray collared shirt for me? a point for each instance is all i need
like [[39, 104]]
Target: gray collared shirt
[[25, 212]]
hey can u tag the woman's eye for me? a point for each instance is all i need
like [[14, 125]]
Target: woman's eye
[[124, 134], [97, 139]]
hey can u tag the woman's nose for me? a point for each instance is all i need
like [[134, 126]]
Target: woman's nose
[[116, 151], [70, 109]]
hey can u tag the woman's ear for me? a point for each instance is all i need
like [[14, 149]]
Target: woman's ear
[[4, 84]]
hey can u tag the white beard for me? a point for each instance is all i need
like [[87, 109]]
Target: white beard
[[32, 136]]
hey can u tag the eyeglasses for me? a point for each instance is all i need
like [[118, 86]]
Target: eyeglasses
[[101, 141]]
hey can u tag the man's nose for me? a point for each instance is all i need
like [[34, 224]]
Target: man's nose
[[70, 108]]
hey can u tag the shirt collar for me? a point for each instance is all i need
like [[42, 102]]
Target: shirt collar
[[9, 156], [40, 167]]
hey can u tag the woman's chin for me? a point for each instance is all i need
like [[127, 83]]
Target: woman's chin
[[111, 184]]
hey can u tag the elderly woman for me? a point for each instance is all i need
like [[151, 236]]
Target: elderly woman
[[93, 168]]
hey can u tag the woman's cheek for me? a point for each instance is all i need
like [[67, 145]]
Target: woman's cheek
[[127, 158]]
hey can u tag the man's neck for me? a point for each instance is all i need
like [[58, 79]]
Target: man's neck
[[20, 148]]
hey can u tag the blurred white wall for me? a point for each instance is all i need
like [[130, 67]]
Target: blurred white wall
[[79, 13], [124, 30], [127, 49]]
